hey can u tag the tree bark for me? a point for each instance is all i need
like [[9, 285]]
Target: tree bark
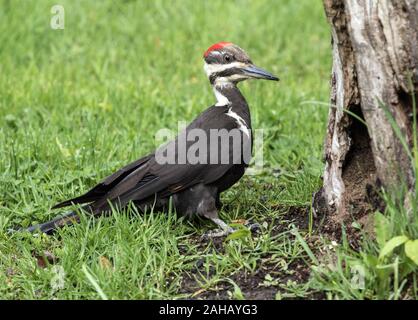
[[375, 59]]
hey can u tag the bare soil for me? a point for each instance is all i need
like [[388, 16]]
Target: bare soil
[[252, 285]]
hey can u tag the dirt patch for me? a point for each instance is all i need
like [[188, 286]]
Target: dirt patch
[[299, 216], [263, 284], [269, 279], [44, 258]]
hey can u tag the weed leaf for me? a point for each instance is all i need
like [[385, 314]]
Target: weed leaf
[[64, 151], [381, 228], [391, 245], [411, 250], [239, 234]]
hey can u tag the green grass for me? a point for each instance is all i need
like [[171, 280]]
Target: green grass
[[77, 104], [386, 264], [385, 267]]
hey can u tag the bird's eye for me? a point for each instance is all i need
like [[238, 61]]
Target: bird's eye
[[227, 58]]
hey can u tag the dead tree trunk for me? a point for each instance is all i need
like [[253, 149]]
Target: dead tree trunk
[[375, 56]]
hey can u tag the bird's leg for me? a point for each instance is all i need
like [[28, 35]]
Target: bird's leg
[[223, 225], [223, 231], [218, 202]]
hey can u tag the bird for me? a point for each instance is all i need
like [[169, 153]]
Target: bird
[[193, 188]]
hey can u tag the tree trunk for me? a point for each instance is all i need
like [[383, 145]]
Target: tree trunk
[[375, 61]]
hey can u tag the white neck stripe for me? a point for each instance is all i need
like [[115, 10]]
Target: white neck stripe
[[222, 100], [242, 125]]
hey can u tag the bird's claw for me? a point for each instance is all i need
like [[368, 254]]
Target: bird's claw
[[255, 228], [216, 233]]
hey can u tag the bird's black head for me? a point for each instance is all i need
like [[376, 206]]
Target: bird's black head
[[226, 63]]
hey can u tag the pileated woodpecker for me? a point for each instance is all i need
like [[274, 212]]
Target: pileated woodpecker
[[193, 187]]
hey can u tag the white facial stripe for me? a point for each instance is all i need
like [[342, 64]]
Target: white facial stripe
[[242, 125], [222, 81], [215, 68]]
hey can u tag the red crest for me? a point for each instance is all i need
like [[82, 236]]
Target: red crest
[[216, 46]]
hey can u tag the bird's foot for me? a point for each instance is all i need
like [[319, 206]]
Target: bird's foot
[[217, 233], [225, 230]]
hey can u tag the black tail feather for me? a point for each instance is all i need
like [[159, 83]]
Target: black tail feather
[[58, 222]]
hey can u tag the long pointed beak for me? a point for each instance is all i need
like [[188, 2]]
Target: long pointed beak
[[258, 73]]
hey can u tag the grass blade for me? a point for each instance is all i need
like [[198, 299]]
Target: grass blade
[[94, 283]]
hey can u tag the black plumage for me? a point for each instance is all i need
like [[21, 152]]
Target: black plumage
[[194, 188]]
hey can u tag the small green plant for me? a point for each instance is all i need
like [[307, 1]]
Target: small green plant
[[386, 265], [269, 281]]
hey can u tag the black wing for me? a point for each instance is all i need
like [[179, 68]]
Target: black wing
[[104, 186], [146, 177]]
